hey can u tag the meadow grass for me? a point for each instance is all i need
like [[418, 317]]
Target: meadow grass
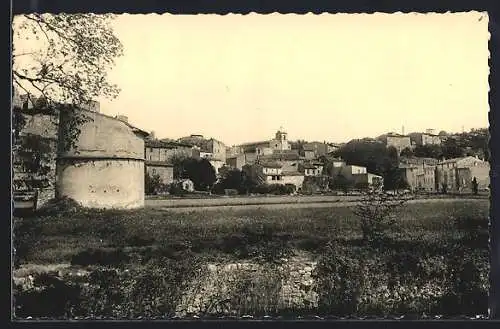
[[55, 238]]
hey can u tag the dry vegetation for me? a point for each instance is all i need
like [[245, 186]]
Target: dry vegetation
[[433, 260]]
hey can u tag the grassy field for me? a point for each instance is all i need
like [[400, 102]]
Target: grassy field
[[442, 238]]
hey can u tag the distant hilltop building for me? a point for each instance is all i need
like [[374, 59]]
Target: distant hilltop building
[[429, 137], [398, 141]]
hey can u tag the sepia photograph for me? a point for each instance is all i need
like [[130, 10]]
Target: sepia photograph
[[250, 166]]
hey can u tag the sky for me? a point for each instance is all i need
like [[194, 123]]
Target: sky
[[239, 78]]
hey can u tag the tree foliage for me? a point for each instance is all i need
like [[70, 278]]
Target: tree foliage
[[200, 171], [152, 183], [62, 60], [232, 179], [71, 56], [376, 157]]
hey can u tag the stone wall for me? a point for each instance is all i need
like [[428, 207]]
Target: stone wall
[[166, 173], [296, 180], [43, 128]]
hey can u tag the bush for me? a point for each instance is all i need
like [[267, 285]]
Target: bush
[[59, 205], [50, 297], [231, 192], [152, 184], [340, 281], [26, 237], [153, 290], [100, 257], [263, 243], [362, 281], [176, 190], [218, 188], [376, 213]]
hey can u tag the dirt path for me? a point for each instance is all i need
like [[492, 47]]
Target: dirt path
[[284, 205]]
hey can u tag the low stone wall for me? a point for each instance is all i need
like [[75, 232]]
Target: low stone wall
[[234, 288]]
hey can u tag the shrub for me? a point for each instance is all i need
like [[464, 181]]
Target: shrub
[[153, 290], [100, 257], [466, 290], [152, 184], [176, 189], [58, 206], [218, 188], [51, 297], [26, 237], [231, 192], [475, 227], [290, 188], [340, 281], [376, 213]]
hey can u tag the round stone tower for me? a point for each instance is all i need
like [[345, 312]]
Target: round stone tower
[[105, 166]]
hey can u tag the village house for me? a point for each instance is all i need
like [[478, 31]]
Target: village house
[[309, 152], [156, 150], [313, 150], [161, 168], [398, 141], [311, 169], [278, 144], [419, 173], [419, 177], [238, 161], [269, 172], [427, 138], [359, 175], [456, 175], [293, 177], [211, 149]]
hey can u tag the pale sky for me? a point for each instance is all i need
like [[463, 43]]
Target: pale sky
[[322, 77]]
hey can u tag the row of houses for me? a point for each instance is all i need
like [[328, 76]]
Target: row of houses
[[452, 175], [276, 162], [402, 141]]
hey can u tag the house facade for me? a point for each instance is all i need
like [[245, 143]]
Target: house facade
[[456, 175], [427, 138], [156, 150], [311, 169], [398, 141], [163, 169]]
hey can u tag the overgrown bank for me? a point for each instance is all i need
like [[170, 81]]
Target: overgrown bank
[[143, 263]]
